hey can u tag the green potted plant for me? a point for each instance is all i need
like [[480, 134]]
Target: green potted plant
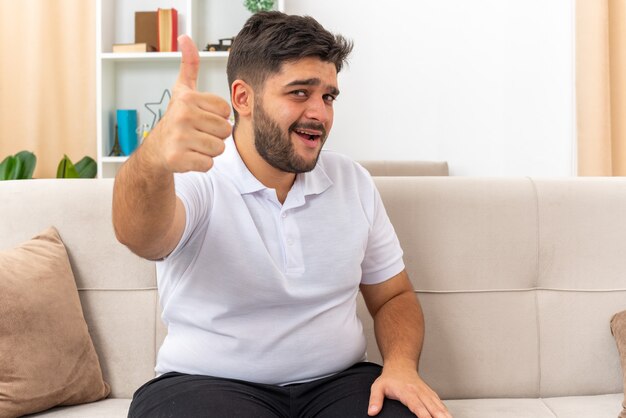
[[86, 168], [22, 165], [18, 167], [258, 5]]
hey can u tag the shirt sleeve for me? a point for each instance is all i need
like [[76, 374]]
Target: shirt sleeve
[[383, 254], [195, 192]]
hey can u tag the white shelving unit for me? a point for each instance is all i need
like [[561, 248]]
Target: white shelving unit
[[129, 80]]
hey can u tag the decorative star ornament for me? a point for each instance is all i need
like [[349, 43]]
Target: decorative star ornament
[[159, 107]]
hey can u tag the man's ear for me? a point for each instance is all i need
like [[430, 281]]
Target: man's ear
[[242, 97]]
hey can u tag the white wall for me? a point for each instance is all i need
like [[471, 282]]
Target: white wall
[[487, 85]]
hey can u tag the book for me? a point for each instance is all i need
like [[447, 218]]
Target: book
[[146, 28], [138, 47], [168, 29]]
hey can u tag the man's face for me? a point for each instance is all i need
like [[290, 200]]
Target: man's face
[[294, 114]]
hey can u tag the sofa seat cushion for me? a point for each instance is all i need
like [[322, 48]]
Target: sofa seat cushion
[[601, 406], [500, 408], [107, 408]]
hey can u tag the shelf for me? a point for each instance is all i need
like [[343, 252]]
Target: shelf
[[157, 56], [117, 160]]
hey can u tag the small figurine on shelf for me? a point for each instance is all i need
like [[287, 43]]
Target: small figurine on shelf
[[221, 46], [258, 5], [116, 151], [143, 131]]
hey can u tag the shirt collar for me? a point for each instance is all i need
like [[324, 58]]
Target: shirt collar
[[315, 181], [230, 164]]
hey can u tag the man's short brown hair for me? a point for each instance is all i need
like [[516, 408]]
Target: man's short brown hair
[[269, 39]]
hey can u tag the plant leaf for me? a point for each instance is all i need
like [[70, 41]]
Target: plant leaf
[[9, 168], [29, 161], [66, 169], [14, 174], [255, 6], [86, 168], [5, 167]]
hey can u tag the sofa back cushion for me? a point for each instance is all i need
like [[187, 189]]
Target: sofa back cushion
[[470, 249], [405, 168], [117, 289], [582, 271], [518, 279]]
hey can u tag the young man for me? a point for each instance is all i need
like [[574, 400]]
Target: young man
[[264, 242]]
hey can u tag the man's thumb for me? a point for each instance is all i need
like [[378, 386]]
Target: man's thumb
[[190, 62], [377, 397]]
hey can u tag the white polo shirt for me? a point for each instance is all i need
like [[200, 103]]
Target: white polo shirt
[[265, 292]]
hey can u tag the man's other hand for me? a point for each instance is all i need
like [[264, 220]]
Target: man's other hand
[[406, 386]]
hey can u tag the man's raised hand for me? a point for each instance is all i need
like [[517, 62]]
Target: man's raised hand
[[193, 129]]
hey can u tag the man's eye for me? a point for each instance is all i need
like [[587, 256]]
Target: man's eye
[[329, 98], [299, 93]]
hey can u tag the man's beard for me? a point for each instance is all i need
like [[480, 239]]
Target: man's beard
[[275, 146]]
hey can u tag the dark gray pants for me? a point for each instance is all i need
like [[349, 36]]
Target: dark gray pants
[[343, 395]]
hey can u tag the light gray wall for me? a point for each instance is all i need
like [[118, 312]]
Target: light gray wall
[[487, 85]]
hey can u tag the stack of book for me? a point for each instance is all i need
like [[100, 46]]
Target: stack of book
[[136, 47], [168, 30], [154, 31], [146, 29]]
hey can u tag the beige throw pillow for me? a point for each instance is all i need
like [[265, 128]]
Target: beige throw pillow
[[47, 357], [618, 328]]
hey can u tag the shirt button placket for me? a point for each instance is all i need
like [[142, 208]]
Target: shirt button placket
[[293, 256], [288, 242]]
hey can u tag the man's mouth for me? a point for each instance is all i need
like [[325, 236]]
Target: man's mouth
[[308, 134]]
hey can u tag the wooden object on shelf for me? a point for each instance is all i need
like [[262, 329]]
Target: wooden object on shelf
[[168, 30], [146, 28], [138, 47]]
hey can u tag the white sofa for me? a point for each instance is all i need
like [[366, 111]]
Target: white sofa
[[405, 167], [518, 279]]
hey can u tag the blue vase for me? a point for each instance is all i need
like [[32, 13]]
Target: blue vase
[[127, 130]]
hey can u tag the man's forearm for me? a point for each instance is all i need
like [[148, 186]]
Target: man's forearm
[[144, 203], [147, 216], [399, 328]]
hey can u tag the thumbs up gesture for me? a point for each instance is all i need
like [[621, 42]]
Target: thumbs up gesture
[[193, 129]]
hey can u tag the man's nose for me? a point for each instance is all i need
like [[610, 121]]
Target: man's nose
[[318, 109]]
